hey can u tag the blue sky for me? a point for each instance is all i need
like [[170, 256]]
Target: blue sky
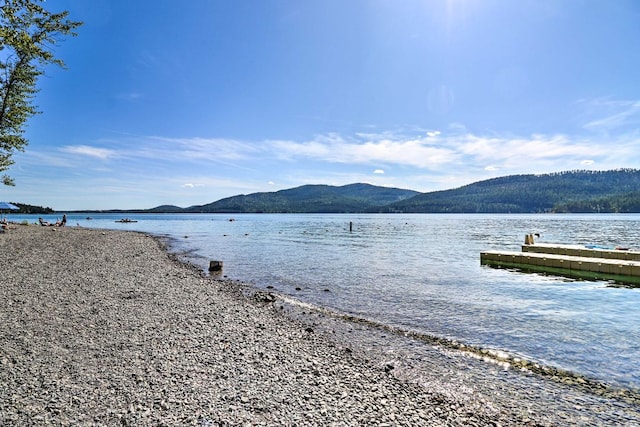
[[186, 102]]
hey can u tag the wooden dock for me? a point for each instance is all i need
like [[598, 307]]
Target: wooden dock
[[587, 262]]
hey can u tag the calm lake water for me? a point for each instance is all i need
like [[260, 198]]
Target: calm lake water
[[423, 273]]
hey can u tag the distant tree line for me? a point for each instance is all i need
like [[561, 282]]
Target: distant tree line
[[615, 191], [30, 209]]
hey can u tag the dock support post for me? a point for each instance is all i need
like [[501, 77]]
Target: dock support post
[[215, 266]]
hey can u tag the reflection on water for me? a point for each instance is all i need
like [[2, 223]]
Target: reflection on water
[[422, 272]]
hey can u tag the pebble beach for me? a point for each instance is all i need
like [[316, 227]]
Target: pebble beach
[[108, 328]]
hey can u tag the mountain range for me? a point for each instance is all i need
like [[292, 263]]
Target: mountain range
[[572, 191], [304, 199]]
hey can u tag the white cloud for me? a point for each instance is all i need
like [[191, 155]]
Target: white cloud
[[457, 151], [551, 152], [85, 150], [453, 152], [417, 152], [433, 134]]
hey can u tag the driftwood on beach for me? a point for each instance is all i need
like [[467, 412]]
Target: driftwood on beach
[[105, 328]]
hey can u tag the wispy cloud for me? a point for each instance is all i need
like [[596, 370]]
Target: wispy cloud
[[86, 150], [456, 150], [417, 152], [431, 152], [611, 114], [161, 149], [212, 150], [521, 149]]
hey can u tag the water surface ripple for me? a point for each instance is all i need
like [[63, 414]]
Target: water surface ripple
[[422, 273]]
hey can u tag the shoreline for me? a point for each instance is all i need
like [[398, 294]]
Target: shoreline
[[309, 313], [496, 357], [106, 327]]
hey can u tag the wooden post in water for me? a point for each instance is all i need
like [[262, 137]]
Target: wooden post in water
[[350, 226], [215, 266]]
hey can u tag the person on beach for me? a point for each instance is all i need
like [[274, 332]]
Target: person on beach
[[63, 222]]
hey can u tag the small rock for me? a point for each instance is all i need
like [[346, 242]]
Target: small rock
[[264, 296]]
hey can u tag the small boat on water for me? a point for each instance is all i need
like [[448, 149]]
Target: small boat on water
[[126, 220]]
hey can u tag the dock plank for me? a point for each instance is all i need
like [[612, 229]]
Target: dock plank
[[582, 251], [620, 270]]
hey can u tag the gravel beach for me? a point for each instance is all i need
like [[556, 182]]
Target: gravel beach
[[107, 328]]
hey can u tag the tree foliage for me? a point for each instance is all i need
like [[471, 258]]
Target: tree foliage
[[309, 199], [28, 34], [571, 191], [32, 209]]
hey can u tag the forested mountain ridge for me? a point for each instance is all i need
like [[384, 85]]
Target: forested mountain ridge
[[615, 191], [572, 191], [309, 199]]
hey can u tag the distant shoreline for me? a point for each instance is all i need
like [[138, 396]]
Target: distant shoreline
[[578, 191]]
